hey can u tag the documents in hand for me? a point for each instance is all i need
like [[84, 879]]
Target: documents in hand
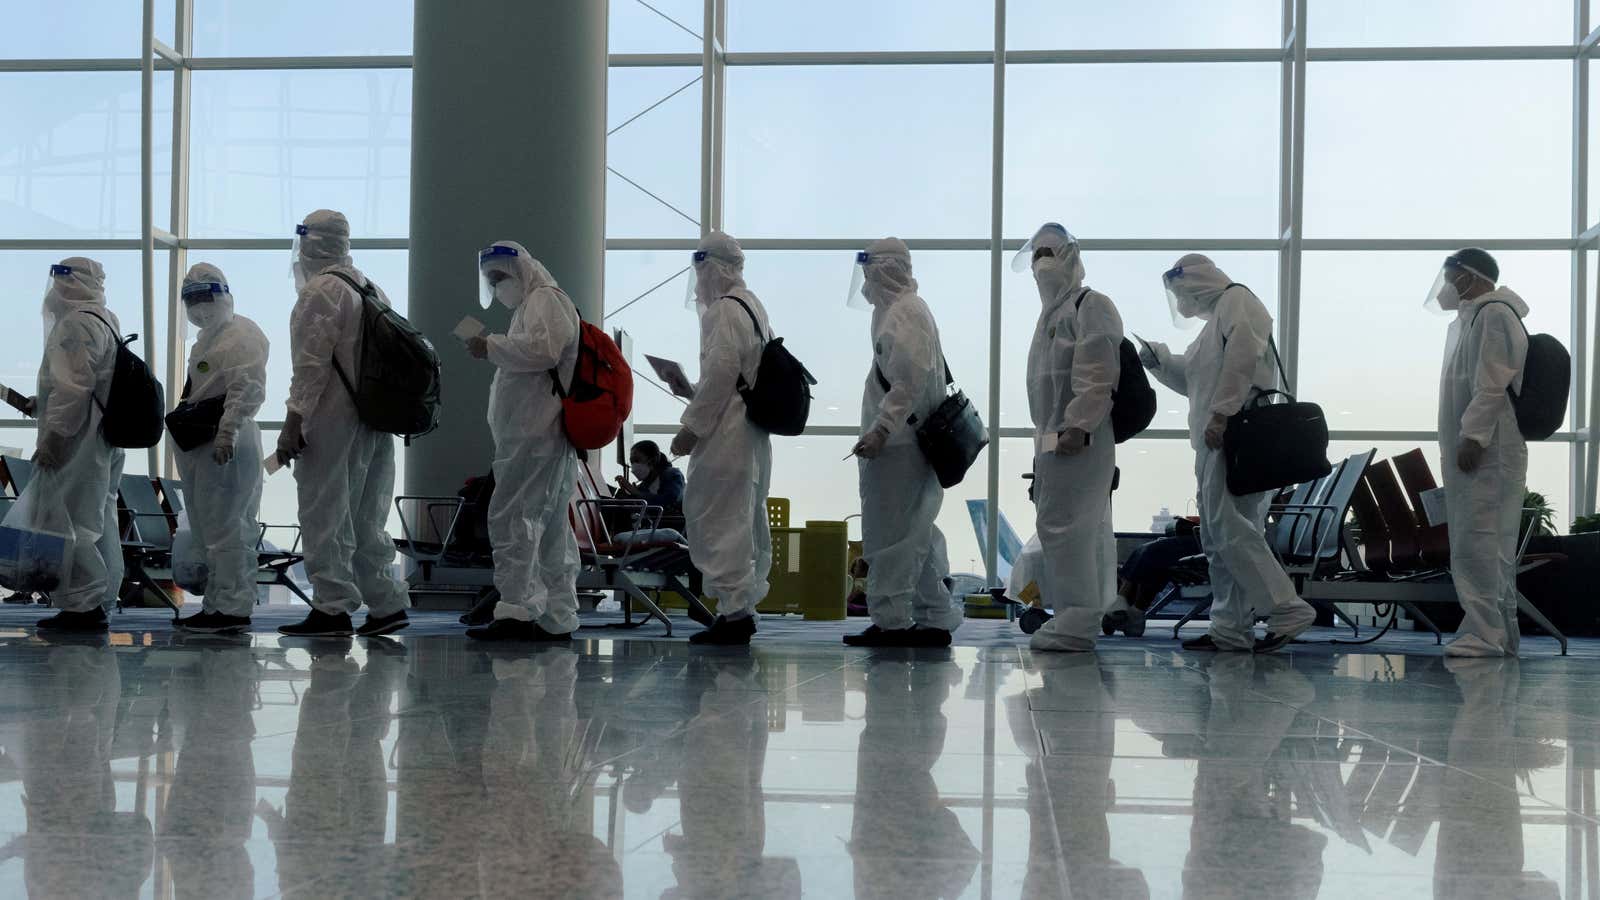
[[672, 373], [468, 329], [14, 400], [1433, 507], [1048, 442], [271, 464]]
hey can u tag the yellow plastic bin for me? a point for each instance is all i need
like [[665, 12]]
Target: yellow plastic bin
[[825, 568], [787, 591]]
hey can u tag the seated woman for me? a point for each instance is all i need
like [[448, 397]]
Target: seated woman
[[659, 483]]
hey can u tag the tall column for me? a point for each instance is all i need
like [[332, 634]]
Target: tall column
[[508, 142]]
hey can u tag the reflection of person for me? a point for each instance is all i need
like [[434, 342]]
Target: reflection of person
[[1485, 456], [725, 500], [207, 816], [222, 478], [1480, 850], [908, 570], [77, 844], [1071, 811], [345, 474], [897, 800], [1230, 361], [720, 802], [1235, 815], [80, 352], [537, 821], [656, 480], [535, 467]]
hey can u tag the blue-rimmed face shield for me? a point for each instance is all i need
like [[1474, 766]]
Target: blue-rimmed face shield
[[697, 259], [494, 266], [857, 298], [202, 292], [1183, 307]]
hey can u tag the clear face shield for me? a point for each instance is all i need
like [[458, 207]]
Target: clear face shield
[[200, 302], [493, 263], [1181, 304], [294, 252], [691, 290], [857, 297], [53, 287], [1444, 297], [1051, 240]]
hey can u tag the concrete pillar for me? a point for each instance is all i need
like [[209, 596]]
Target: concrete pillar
[[508, 142]]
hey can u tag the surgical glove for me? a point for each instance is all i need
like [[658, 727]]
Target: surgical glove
[[51, 452], [222, 451], [1072, 442], [1215, 429], [1148, 357], [683, 442], [478, 347], [291, 440], [871, 444], [1469, 455]]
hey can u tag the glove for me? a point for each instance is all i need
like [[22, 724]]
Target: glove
[[51, 452], [871, 444], [683, 443], [1469, 455], [291, 440], [30, 407], [1148, 357], [478, 347], [1072, 442], [1215, 429], [222, 451]]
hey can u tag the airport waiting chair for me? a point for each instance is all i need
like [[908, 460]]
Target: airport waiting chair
[[147, 538]]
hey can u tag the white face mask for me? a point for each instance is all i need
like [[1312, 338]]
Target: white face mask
[[202, 315], [1051, 276], [507, 294], [1449, 298]]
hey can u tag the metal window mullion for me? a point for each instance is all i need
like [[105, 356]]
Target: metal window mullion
[[991, 525], [1285, 150], [147, 249], [708, 97], [1297, 202], [719, 142], [178, 257], [1578, 474]]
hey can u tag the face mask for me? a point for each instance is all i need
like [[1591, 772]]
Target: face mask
[[507, 294], [1449, 298], [202, 315], [1189, 307], [1051, 277], [300, 278]]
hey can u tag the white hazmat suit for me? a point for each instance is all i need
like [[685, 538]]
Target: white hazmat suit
[[535, 468], [1228, 362], [80, 353], [222, 479], [1483, 356], [725, 500], [1073, 366], [345, 474], [908, 568]]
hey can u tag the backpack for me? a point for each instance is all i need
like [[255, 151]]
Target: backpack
[[780, 400], [1133, 402], [133, 416], [396, 390], [1546, 378], [601, 397]]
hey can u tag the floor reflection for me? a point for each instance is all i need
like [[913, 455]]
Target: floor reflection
[[145, 765]]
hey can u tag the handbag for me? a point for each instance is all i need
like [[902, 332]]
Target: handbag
[[953, 434], [194, 424], [1270, 445]]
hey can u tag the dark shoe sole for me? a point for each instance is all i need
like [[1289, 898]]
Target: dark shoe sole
[[389, 628], [1272, 643], [291, 631]]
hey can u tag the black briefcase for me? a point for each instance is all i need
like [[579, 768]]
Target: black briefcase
[[1271, 445]]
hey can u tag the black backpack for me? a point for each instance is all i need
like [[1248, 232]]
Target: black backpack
[[780, 400], [396, 390], [133, 416], [1133, 402], [1546, 378]]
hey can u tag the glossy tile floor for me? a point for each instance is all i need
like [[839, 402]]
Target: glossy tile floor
[[149, 765]]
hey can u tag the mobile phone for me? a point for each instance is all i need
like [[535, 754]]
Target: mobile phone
[[16, 401]]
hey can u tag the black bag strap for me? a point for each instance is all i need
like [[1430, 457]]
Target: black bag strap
[[555, 371], [117, 343], [1513, 309], [1078, 303], [1288, 389], [883, 382], [751, 313], [362, 291]]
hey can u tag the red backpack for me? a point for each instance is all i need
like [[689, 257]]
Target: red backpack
[[601, 396]]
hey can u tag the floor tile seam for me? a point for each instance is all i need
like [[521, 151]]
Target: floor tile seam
[[1058, 860]]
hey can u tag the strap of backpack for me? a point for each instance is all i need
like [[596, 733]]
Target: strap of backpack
[[361, 291], [1502, 303], [749, 312], [116, 341], [555, 371], [1078, 303]]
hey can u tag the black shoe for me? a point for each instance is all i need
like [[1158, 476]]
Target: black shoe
[[1128, 621], [213, 623], [1203, 643], [880, 637], [88, 622], [320, 624], [928, 637], [1032, 619], [375, 626], [515, 630], [725, 632], [1272, 642]]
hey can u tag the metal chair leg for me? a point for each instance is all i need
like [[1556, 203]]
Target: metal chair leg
[[1526, 607]]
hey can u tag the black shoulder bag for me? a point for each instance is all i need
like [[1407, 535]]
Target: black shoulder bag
[[1272, 445], [194, 424], [953, 434]]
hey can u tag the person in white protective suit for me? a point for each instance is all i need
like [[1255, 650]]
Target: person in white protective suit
[[908, 570], [725, 502], [535, 468], [1228, 363], [1073, 365], [344, 471], [222, 478], [1485, 458], [80, 472]]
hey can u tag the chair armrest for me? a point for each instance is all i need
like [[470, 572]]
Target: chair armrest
[[604, 503], [456, 504]]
